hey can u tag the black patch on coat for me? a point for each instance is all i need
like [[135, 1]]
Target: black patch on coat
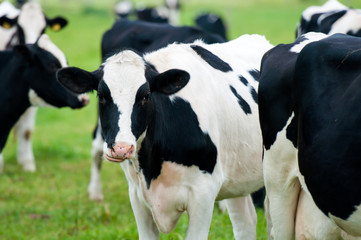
[[173, 134], [243, 80], [254, 95], [255, 74], [244, 105], [211, 59]]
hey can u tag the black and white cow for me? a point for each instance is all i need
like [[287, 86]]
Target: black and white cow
[[140, 36], [26, 27], [28, 78], [332, 17], [308, 106], [183, 124]]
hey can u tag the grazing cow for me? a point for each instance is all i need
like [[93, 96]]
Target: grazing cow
[[142, 37], [183, 123], [26, 27], [308, 101], [212, 23], [28, 78], [332, 17]]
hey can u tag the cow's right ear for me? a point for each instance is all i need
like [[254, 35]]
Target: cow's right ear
[[8, 23], [78, 80]]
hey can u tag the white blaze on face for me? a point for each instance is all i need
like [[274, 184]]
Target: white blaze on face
[[123, 75], [32, 21]]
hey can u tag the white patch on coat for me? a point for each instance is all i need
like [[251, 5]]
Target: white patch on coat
[[351, 21], [32, 21], [310, 37], [352, 224]]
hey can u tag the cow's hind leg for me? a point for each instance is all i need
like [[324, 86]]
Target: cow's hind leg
[[95, 185], [243, 217], [24, 128]]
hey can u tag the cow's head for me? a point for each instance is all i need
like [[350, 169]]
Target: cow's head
[[42, 61], [31, 23], [129, 90]]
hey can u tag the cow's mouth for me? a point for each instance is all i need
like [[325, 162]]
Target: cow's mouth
[[112, 159]]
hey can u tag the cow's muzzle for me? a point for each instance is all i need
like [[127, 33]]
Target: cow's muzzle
[[120, 152]]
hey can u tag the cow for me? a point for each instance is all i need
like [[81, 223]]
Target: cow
[[212, 23], [140, 36], [28, 78], [308, 101], [332, 17], [25, 28], [182, 122]]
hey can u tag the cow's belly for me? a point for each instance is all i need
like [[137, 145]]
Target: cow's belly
[[241, 171]]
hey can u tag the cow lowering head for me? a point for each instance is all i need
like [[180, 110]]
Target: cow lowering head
[[128, 90], [43, 59], [31, 23]]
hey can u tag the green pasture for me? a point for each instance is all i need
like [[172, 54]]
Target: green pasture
[[53, 203]]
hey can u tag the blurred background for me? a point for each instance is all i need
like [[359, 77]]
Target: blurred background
[[53, 203]]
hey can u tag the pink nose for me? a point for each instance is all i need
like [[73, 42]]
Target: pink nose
[[122, 151]]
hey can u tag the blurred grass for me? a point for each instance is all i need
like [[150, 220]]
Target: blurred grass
[[53, 202]]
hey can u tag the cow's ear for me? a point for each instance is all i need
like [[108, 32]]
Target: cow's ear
[[170, 81], [56, 23], [78, 80], [7, 23]]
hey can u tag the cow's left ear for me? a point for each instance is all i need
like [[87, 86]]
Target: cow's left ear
[[7, 23], [169, 82], [78, 80], [56, 23]]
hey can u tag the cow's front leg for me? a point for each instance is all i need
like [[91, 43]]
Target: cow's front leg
[[24, 128], [200, 212], [147, 228], [95, 185], [243, 217]]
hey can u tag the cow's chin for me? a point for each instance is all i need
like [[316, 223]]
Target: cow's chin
[[116, 160]]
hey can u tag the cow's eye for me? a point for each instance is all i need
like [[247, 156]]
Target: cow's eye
[[145, 99]]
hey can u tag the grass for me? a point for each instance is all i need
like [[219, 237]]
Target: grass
[[53, 203]]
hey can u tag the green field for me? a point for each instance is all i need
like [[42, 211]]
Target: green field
[[53, 203]]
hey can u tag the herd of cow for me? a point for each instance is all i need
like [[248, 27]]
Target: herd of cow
[[193, 118]]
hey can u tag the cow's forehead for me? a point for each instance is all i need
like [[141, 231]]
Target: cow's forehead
[[32, 21], [45, 43], [124, 72]]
